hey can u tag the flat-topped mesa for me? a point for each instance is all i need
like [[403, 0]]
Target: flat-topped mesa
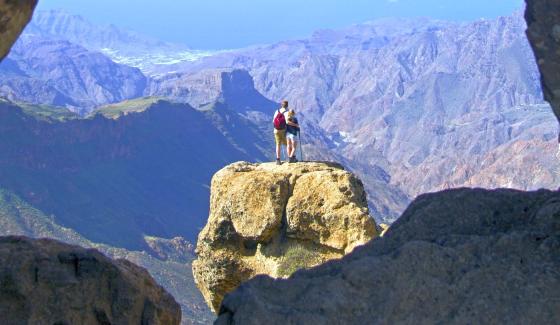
[[274, 220]]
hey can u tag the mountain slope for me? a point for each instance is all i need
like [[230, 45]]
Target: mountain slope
[[144, 173], [122, 46], [431, 104], [43, 71]]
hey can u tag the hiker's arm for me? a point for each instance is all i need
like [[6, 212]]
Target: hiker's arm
[[292, 123]]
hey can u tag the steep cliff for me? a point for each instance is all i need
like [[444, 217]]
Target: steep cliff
[[268, 219], [14, 16], [47, 282]]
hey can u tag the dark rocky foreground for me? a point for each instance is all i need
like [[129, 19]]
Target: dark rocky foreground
[[457, 257], [543, 20], [47, 282]]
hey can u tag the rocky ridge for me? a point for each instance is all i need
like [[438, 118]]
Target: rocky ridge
[[268, 219], [47, 282]]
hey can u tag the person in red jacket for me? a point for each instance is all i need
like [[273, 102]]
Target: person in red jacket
[[280, 125]]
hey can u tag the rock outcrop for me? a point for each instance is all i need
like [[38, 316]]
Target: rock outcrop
[[47, 282], [14, 16], [457, 257], [273, 220], [543, 20]]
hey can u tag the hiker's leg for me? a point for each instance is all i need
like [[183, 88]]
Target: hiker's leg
[[294, 147], [278, 150], [278, 140], [289, 147]]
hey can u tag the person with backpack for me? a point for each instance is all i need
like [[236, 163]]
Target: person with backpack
[[280, 127], [292, 131]]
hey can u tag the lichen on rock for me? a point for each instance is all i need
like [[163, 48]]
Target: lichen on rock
[[274, 220]]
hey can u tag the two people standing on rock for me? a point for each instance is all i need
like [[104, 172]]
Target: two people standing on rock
[[286, 131]]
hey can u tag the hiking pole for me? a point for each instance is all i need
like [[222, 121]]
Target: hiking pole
[[300, 146]]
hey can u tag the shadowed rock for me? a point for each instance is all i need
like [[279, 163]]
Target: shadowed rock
[[456, 257], [268, 219], [14, 16], [543, 20], [47, 282]]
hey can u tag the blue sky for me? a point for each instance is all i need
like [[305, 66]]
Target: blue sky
[[222, 24]]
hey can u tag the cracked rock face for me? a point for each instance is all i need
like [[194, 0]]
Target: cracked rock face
[[456, 257], [47, 282], [14, 16], [543, 20], [273, 220]]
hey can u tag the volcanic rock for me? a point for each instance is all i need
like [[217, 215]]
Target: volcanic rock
[[268, 219]]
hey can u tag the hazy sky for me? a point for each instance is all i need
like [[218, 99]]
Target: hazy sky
[[220, 24]]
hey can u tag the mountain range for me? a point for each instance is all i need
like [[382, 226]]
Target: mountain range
[[428, 102], [399, 101]]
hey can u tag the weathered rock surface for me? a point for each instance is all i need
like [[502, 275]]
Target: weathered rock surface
[[268, 219], [543, 20], [14, 16], [456, 257], [47, 282]]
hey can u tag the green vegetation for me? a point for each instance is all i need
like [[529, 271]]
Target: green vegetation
[[297, 257], [128, 106], [48, 113]]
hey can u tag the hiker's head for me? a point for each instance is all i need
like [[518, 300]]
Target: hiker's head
[[284, 104], [291, 113]]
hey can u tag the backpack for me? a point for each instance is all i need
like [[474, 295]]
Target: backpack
[[279, 121]]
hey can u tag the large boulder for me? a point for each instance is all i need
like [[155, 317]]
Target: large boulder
[[543, 20], [273, 220], [47, 282], [14, 16], [457, 257]]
